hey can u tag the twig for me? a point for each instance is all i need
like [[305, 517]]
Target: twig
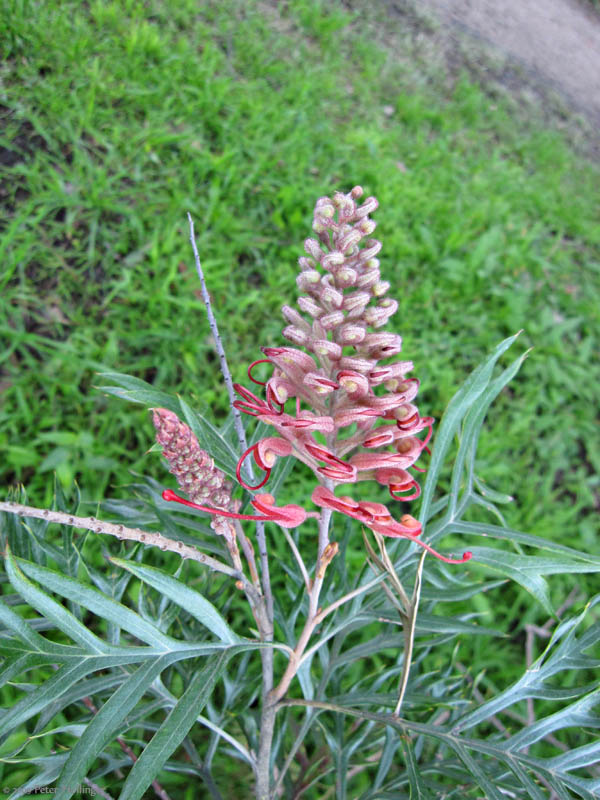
[[409, 634], [212, 322], [237, 418], [121, 532], [298, 557]]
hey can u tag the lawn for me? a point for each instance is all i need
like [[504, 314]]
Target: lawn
[[118, 118]]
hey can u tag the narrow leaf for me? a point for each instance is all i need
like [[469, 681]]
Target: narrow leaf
[[174, 729], [189, 599]]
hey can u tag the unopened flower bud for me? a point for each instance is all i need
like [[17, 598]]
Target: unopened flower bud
[[368, 278], [306, 263], [366, 226], [380, 288], [324, 347], [346, 243], [351, 333], [356, 301], [379, 315], [311, 246], [293, 317], [295, 335], [331, 320], [332, 260], [309, 306], [331, 297], [372, 248], [362, 365], [308, 280], [345, 277], [367, 207]]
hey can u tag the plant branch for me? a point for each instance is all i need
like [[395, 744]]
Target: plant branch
[[237, 418], [409, 635], [130, 534], [298, 557]]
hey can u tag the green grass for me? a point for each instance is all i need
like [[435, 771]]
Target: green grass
[[119, 117]]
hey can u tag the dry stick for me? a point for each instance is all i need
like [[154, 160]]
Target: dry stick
[[410, 635], [131, 534], [237, 418], [266, 630]]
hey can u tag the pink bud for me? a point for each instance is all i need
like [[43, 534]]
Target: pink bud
[[331, 297], [366, 226], [332, 260], [368, 207], [319, 383], [373, 246], [331, 320], [380, 288], [309, 280], [356, 301], [345, 277], [295, 335], [363, 365], [355, 384], [349, 240], [324, 347], [351, 333], [398, 370], [311, 246], [368, 278], [310, 306], [293, 317], [284, 357]]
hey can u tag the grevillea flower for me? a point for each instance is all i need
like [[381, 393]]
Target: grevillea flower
[[194, 469], [364, 409], [337, 408]]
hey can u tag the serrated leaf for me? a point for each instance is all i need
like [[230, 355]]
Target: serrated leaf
[[189, 599]]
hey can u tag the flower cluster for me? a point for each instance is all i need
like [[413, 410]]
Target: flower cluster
[[337, 408], [194, 469]]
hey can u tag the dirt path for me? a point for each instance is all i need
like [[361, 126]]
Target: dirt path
[[555, 42]]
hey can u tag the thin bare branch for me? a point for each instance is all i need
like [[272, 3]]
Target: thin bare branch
[[121, 532], [239, 428]]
